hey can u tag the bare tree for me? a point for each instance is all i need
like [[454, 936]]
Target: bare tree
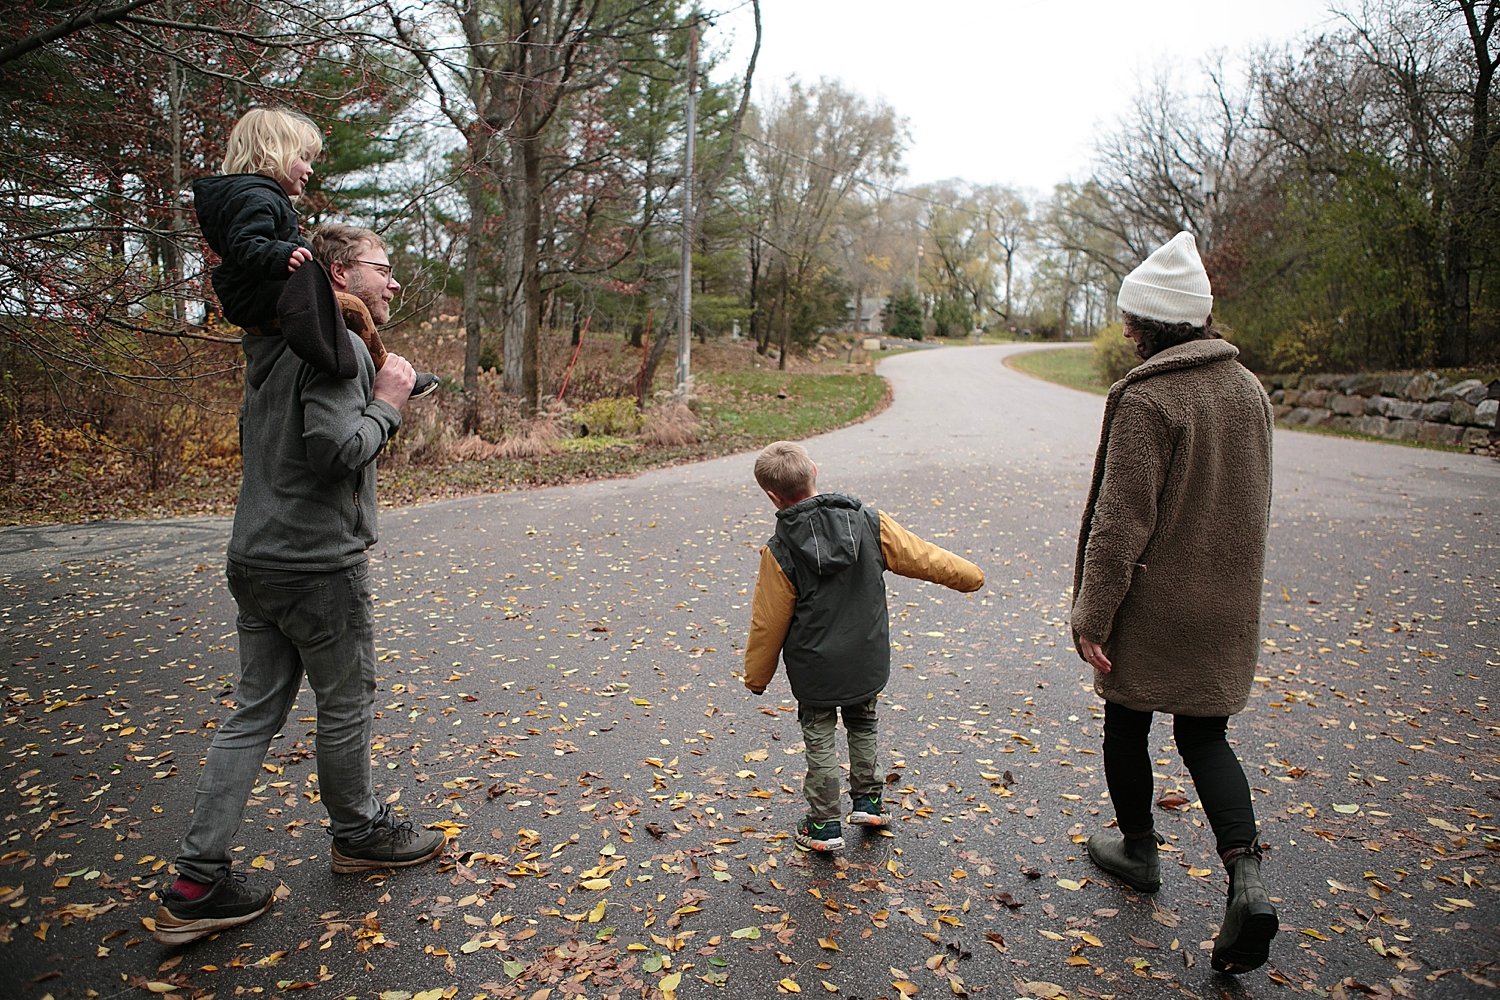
[[811, 149]]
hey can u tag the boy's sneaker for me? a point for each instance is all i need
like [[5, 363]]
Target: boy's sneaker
[[229, 903], [425, 385], [814, 836], [388, 845], [868, 811]]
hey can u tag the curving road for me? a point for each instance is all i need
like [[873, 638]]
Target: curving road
[[558, 688]]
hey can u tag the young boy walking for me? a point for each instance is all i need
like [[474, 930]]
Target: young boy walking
[[819, 605]]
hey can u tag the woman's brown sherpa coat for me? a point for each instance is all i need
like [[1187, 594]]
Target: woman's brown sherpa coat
[[1168, 575]]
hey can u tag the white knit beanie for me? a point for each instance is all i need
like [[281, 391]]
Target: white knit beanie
[[1170, 285]]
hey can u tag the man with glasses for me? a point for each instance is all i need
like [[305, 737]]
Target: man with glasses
[[360, 269], [298, 570]]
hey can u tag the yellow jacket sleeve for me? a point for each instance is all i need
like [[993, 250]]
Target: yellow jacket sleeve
[[908, 555], [770, 617]]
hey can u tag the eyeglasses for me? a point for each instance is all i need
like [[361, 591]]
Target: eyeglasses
[[386, 271]]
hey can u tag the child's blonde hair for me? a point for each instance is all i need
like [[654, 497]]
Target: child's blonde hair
[[269, 140], [784, 468]]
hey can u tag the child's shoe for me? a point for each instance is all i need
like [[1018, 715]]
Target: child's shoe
[[868, 811], [425, 385], [815, 836]]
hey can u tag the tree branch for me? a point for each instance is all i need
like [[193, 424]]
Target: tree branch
[[71, 26]]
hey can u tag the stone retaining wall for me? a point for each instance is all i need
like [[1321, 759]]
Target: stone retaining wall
[[1401, 406]]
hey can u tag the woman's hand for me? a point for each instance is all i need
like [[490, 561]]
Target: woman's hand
[[1094, 654]]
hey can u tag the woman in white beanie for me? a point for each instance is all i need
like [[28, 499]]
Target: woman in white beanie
[[1167, 584]]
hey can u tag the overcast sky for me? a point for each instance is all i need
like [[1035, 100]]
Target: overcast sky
[[1002, 91]]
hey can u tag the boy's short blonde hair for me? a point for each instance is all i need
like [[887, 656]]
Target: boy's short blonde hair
[[269, 140], [784, 468]]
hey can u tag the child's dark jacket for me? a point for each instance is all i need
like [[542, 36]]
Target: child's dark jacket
[[819, 601], [251, 224]]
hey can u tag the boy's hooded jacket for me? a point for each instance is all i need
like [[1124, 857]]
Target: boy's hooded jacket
[[251, 224], [819, 601]]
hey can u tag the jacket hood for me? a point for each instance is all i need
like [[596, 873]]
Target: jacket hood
[[262, 351], [213, 195], [821, 532]]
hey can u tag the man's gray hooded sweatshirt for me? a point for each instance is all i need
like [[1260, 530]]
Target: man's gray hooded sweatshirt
[[309, 440]]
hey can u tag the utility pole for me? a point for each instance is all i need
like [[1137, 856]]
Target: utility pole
[[685, 310]]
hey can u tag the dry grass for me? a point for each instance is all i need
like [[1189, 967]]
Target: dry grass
[[670, 425]]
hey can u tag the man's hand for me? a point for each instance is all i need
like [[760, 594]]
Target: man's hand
[[299, 256], [1094, 654], [394, 380]]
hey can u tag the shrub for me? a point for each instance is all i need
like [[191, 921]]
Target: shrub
[[1113, 354], [427, 437], [951, 317], [670, 425], [617, 416], [904, 316]]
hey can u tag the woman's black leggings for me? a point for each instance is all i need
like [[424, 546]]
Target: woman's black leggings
[[1216, 772]]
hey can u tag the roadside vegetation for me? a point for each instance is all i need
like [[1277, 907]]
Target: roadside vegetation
[[1096, 368], [182, 459], [1072, 367]]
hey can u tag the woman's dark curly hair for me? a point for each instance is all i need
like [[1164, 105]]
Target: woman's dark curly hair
[[1154, 336]]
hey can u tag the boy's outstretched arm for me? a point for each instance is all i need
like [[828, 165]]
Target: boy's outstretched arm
[[770, 617], [907, 554]]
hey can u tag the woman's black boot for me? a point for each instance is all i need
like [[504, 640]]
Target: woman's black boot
[[1250, 922]]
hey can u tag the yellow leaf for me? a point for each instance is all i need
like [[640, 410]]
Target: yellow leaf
[[1043, 989], [597, 913], [905, 987], [1196, 872], [790, 986], [595, 884], [1443, 824], [1068, 884], [670, 983], [830, 987], [757, 755], [828, 944]]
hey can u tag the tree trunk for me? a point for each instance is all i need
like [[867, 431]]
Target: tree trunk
[[1454, 347], [785, 319], [473, 327]]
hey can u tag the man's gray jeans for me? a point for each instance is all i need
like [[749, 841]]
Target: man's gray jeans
[[821, 786], [290, 623]]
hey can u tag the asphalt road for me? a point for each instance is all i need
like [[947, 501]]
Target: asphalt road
[[559, 689]]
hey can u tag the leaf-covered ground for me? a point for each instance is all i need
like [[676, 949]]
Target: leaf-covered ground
[[558, 694]]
